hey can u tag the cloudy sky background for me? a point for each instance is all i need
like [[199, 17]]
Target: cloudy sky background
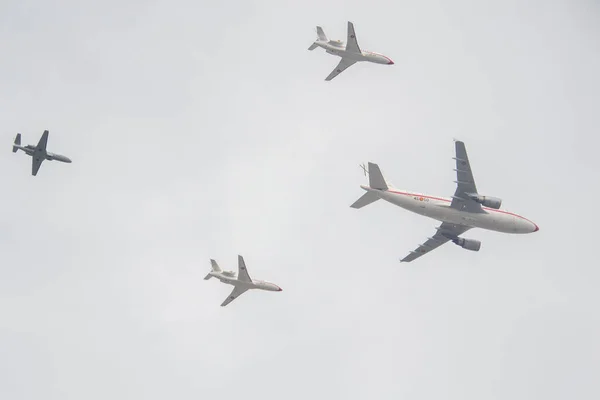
[[205, 130]]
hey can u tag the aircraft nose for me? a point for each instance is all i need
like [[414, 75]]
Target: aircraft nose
[[535, 227], [279, 289]]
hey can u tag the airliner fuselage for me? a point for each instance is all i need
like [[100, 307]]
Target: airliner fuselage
[[439, 209]]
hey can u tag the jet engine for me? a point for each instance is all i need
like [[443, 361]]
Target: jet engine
[[487, 201], [468, 244]]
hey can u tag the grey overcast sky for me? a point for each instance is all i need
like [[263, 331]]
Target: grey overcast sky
[[205, 129]]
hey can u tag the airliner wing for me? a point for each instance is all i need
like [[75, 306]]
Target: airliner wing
[[242, 271], [43, 141], [344, 63], [352, 43], [445, 233], [465, 183], [235, 293], [36, 163]]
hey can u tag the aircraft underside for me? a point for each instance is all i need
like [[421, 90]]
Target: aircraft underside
[[498, 221]]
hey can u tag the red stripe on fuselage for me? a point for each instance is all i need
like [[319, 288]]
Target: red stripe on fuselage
[[450, 201]]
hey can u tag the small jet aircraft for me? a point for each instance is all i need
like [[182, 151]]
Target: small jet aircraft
[[241, 283], [350, 52], [465, 210], [38, 153]]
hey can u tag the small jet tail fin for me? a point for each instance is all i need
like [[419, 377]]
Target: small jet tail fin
[[376, 179], [321, 34], [215, 266], [17, 142], [365, 200]]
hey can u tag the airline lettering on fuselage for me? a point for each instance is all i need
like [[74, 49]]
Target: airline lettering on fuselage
[[425, 199]]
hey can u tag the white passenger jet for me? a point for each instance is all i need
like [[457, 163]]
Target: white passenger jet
[[350, 52], [38, 153], [241, 283], [465, 210]]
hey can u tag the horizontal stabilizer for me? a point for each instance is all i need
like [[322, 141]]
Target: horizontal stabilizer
[[376, 179], [207, 277], [365, 200], [313, 46]]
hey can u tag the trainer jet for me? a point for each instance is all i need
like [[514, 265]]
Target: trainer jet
[[350, 51], [38, 153], [241, 283], [465, 210]]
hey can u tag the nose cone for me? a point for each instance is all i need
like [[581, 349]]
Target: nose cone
[[272, 287], [61, 158], [386, 60]]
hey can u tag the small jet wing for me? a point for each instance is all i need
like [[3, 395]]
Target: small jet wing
[[465, 183], [242, 271], [445, 233], [235, 293], [352, 43], [43, 141], [36, 163], [344, 63]]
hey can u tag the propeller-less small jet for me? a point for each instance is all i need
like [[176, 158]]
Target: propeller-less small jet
[[38, 153], [350, 51], [467, 209], [241, 283]]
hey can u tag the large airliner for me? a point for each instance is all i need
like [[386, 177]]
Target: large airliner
[[241, 283], [350, 51], [465, 210]]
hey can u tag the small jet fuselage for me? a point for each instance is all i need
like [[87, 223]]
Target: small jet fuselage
[[230, 278], [349, 51], [31, 150], [338, 48], [241, 281], [38, 153]]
